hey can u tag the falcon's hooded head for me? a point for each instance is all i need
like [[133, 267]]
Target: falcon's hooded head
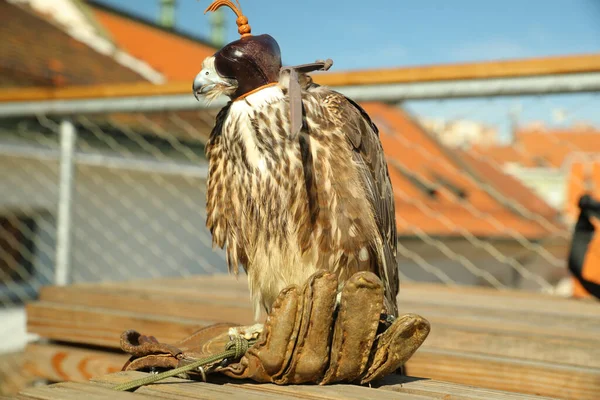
[[241, 66]]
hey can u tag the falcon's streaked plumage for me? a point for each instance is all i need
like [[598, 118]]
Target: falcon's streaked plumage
[[285, 205], [285, 198]]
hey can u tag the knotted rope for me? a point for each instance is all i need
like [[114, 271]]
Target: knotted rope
[[234, 350]]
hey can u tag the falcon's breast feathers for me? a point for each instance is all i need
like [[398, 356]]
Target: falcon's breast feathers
[[284, 205]]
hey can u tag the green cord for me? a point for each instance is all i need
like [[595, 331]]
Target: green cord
[[234, 349]]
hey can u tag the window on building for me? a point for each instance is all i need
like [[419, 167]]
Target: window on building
[[16, 248]]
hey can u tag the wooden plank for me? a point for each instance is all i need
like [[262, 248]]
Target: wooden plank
[[473, 328], [480, 70], [78, 391], [500, 373], [102, 327], [196, 303], [505, 373], [535, 337], [177, 304], [539, 323], [12, 376], [410, 291], [498, 299], [179, 388], [515, 344], [57, 363], [447, 333], [448, 390], [403, 387], [175, 388]]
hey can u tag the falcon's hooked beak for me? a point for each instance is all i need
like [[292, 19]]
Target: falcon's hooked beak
[[209, 84]]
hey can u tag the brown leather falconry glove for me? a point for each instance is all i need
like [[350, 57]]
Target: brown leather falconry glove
[[306, 338]]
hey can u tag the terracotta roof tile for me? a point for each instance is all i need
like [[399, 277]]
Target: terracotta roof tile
[[507, 186], [177, 56], [436, 194], [555, 145], [38, 53], [501, 155], [544, 148]]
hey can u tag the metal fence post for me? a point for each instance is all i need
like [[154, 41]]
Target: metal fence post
[[68, 136]]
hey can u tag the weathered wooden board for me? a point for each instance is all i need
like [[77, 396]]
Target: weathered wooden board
[[178, 388], [101, 326], [506, 373], [98, 315], [507, 340], [394, 387], [523, 307], [12, 376], [59, 362], [78, 391]]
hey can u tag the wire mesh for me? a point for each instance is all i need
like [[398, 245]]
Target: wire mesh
[[140, 191], [480, 199]]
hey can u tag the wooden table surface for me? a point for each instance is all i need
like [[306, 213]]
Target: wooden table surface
[[174, 388], [504, 340]]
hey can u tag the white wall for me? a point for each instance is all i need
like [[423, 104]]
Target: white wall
[[548, 183]]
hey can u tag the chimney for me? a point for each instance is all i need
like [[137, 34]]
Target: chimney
[[166, 17]]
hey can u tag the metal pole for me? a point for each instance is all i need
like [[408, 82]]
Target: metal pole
[[68, 136]]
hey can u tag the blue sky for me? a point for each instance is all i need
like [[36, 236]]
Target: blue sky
[[394, 33], [389, 33]]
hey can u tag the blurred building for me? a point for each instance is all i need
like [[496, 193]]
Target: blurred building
[[460, 133], [558, 164]]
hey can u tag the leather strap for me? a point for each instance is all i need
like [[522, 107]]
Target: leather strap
[[242, 97], [295, 92]]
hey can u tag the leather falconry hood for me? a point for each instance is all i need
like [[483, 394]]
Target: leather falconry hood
[[254, 61]]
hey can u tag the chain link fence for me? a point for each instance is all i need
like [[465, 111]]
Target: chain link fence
[[115, 189], [131, 206], [117, 195]]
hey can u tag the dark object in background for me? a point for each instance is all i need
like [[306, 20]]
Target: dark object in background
[[584, 256]]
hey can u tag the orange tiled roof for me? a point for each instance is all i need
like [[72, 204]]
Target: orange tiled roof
[[510, 190], [553, 146], [37, 53], [543, 148], [437, 194], [176, 55]]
